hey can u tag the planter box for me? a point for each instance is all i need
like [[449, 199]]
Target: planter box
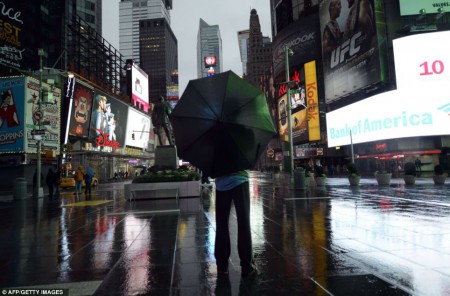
[[439, 179], [409, 179], [383, 179], [185, 189], [354, 180]]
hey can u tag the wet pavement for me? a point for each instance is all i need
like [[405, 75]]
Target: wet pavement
[[332, 240]]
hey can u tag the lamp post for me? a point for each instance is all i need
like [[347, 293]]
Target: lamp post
[[288, 52], [39, 191]]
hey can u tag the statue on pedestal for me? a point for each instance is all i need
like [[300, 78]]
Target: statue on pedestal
[[160, 120]]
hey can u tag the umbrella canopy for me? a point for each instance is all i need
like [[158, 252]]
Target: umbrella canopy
[[221, 124]]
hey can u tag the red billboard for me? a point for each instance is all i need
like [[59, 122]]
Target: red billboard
[[210, 61]]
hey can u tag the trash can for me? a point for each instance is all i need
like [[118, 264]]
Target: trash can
[[299, 179], [20, 188]]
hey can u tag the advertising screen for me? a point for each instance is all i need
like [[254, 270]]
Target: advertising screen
[[408, 7], [350, 52], [396, 114], [299, 122], [139, 87], [16, 27], [49, 113], [12, 123], [210, 61], [80, 114], [427, 64], [138, 125], [419, 107], [108, 120]]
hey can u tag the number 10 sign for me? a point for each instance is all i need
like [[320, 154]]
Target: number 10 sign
[[422, 60]]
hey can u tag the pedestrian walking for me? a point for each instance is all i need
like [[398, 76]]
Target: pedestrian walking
[[233, 188], [88, 176], [79, 176]]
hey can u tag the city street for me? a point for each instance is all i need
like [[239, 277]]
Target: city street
[[331, 240]]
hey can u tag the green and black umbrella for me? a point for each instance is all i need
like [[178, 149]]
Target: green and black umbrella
[[221, 124]]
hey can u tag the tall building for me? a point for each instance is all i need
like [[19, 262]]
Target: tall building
[[130, 13], [91, 12], [243, 37], [259, 59], [209, 44], [159, 55]]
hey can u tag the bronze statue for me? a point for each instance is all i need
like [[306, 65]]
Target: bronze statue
[[160, 120]]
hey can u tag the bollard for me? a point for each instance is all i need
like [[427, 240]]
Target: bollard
[[20, 188], [299, 179]]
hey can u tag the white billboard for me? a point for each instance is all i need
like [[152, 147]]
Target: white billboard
[[422, 60], [395, 114], [419, 107], [409, 7], [138, 129]]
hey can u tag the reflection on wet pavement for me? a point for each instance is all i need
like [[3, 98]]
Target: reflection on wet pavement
[[332, 240]]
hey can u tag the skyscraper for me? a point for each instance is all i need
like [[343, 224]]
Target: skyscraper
[[91, 12], [130, 13], [259, 52], [159, 55], [243, 48], [209, 44]]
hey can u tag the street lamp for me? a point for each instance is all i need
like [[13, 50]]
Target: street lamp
[[289, 52], [39, 191]]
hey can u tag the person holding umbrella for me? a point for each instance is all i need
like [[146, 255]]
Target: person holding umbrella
[[222, 124], [233, 188]]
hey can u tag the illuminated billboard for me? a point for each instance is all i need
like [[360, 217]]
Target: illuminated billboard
[[350, 50], [80, 114], [210, 61], [138, 129], [312, 101], [12, 125], [424, 66], [298, 119], [108, 121], [419, 107], [390, 115], [139, 88]]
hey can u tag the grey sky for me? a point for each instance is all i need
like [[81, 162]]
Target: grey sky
[[231, 16]]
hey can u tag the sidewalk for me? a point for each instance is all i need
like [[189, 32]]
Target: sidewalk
[[334, 240]]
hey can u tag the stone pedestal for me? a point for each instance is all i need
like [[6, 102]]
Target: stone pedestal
[[166, 156]]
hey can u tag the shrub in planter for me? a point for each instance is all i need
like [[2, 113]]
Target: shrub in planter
[[439, 176], [410, 169], [410, 173], [383, 177], [438, 170], [353, 174], [156, 175]]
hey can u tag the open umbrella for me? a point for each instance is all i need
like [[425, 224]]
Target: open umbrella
[[221, 124]]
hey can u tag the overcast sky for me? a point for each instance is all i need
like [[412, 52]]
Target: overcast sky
[[231, 16]]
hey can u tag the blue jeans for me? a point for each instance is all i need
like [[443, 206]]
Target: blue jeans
[[78, 186]]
